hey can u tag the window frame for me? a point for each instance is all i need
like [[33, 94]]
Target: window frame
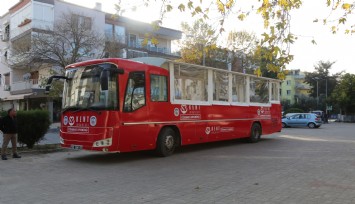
[[166, 86], [144, 93]]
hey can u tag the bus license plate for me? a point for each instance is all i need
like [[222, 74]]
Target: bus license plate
[[77, 147]]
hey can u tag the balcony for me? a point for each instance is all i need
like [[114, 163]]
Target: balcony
[[24, 85], [150, 48], [302, 86]]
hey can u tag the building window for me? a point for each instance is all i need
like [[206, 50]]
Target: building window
[[288, 92], [132, 40], [6, 35], [7, 82], [120, 33], [288, 82], [115, 33], [82, 21], [109, 31]]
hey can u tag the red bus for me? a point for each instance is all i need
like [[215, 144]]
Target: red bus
[[119, 105]]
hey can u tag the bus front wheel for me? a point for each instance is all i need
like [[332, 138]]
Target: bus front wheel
[[255, 133], [166, 142]]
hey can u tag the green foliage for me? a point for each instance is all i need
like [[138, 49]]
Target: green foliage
[[344, 94], [293, 110], [276, 16], [322, 83], [200, 43], [32, 126]]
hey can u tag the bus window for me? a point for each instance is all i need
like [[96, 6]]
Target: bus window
[[190, 83], [158, 88], [238, 88], [274, 92], [259, 90], [135, 92], [220, 86]]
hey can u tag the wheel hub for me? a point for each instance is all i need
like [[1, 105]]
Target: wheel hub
[[169, 142]]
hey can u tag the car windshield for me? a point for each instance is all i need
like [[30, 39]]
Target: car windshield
[[90, 88]]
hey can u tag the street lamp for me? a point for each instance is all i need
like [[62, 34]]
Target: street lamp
[[316, 78]]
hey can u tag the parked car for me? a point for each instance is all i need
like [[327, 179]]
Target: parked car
[[310, 120]]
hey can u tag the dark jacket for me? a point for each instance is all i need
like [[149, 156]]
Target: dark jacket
[[9, 125]]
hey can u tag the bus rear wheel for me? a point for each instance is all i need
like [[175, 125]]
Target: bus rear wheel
[[255, 133], [166, 142]]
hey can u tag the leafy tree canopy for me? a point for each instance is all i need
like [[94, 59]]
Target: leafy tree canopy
[[344, 93], [276, 16]]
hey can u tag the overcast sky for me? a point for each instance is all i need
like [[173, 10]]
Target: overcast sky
[[329, 47]]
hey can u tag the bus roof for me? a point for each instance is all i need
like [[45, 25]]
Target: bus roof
[[156, 61]]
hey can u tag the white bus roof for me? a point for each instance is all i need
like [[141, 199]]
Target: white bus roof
[[164, 63]]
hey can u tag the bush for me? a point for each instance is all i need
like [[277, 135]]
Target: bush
[[293, 110], [32, 126]]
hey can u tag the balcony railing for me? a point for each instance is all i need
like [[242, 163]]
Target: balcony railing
[[23, 85]]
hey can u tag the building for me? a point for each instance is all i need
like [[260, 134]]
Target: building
[[22, 86], [293, 87]]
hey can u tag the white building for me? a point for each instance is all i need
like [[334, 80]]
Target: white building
[[20, 87]]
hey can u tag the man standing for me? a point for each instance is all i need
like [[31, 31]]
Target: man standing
[[10, 133]]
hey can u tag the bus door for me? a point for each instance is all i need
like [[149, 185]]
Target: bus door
[[135, 128]]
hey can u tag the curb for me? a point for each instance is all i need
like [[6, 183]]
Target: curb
[[46, 148]]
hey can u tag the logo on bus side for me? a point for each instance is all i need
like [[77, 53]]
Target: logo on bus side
[[183, 109], [189, 112], [264, 112], [93, 121], [65, 120], [80, 120], [208, 130], [176, 112], [218, 129], [71, 120]]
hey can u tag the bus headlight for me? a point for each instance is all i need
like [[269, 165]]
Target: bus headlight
[[103, 143]]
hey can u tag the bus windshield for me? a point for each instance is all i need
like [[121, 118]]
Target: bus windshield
[[92, 87]]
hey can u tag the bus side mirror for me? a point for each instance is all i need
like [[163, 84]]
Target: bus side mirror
[[49, 82], [104, 80], [105, 74]]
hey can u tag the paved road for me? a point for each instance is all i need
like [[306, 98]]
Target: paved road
[[298, 165]]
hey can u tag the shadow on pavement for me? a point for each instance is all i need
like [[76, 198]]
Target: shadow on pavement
[[114, 158]]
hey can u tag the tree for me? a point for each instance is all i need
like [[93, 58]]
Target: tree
[[344, 94], [276, 15], [241, 45], [71, 40], [199, 43], [322, 82], [267, 65], [326, 82]]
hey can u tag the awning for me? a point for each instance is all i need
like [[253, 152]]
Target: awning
[[16, 97]]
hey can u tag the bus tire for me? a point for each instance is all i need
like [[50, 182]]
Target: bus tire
[[166, 142], [255, 133]]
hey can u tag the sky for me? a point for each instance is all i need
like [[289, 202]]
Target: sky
[[336, 48]]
